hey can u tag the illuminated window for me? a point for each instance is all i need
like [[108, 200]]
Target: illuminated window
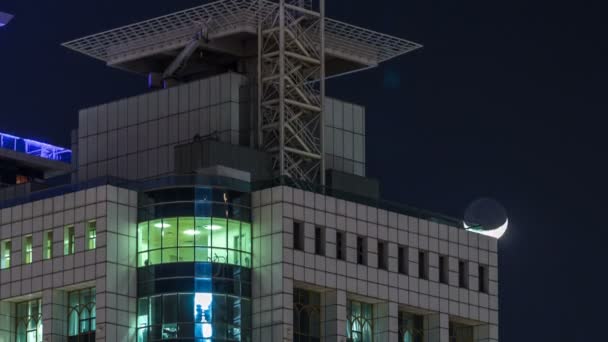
[[359, 327], [47, 245], [194, 239], [69, 240], [82, 320], [91, 235], [27, 249], [29, 321], [306, 316], [5, 252], [411, 327], [21, 179], [193, 316]]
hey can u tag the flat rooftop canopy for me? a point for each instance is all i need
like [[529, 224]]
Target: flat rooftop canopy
[[145, 46]]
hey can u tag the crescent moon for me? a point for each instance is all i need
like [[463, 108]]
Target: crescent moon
[[495, 233]]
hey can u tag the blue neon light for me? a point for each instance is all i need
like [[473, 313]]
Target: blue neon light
[[35, 148], [5, 18]]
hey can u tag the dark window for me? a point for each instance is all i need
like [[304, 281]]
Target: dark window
[[463, 274], [340, 246], [382, 255], [483, 279], [319, 241], [403, 260], [443, 269], [306, 316], [423, 265], [298, 236], [460, 333], [361, 250], [411, 327]]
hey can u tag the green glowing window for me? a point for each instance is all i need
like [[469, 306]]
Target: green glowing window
[[91, 235], [69, 240], [5, 254], [190, 239], [27, 249], [48, 245]]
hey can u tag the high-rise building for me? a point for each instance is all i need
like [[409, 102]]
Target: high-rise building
[[230, 202]]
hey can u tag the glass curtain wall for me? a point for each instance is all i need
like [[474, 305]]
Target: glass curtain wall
[[193, 316]]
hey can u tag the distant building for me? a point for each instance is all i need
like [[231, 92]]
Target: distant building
[[231, 203]]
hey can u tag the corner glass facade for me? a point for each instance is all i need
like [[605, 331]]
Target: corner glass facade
[[194, 259], [194, 239]]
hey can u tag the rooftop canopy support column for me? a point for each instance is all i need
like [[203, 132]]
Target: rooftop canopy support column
[[291, 89]]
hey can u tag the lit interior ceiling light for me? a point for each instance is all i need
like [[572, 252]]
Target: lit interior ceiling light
[[213, 227], [5, 18], [192, 232], [162, 225]]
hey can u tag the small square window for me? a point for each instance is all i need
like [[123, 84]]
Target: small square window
[[443, 269], [69, 240], [382, 255], [5, 254], [27, 249], [298, 236], [463, 274], [340, 246], [423, 265], [483, 279], [361, 250], [91, 235], [319, 241], [48, 245], [403, 260]]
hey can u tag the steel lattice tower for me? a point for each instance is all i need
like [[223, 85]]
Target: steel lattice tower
[[291, 89]]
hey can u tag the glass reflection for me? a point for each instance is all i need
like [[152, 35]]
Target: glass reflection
[[206, 316]]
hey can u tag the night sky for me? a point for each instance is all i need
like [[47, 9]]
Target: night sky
[[507, 100]]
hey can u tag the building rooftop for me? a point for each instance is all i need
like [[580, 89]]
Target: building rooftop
[[140, 47]]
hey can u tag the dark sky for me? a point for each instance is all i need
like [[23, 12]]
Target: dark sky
[[506, 100]]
